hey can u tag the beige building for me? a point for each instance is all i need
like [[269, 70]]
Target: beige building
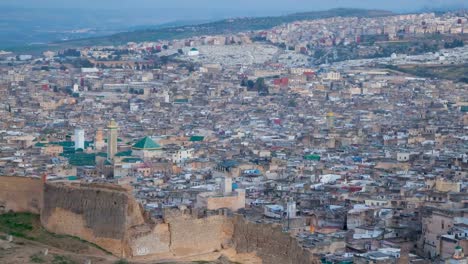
[[226, 198], [52, 150], [441, 185]]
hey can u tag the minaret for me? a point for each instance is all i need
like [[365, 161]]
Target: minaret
[[330, 120], [226, 186], [112, 134], [79, 139], [99, 139]]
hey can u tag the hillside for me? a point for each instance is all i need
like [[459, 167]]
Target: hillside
[[226, 26]]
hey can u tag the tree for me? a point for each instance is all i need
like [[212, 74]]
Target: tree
[[292, 103], [454, 44], [261, 87], [250, 84], [243, 82], [259, 84]]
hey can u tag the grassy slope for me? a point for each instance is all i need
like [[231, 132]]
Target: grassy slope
[[28, 226], [449, 72]]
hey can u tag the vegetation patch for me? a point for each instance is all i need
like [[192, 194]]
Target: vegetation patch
[[37, 258], [28, 226], [59, 259], [456, 73]]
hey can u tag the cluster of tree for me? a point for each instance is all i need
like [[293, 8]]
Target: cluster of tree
[[292, 103], [454, 44], [136, 91], [122, 52], [247, 83], [259, 39], [70, 53], [259, 85], [82, 63]]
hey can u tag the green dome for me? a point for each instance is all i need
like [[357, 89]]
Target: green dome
[[146, 143]]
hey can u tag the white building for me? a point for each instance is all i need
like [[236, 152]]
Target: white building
[[79, 138], [273, 211], [193, 52], [182, 155]]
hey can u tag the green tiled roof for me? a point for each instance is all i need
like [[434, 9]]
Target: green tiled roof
[[102, 154], [118, 140], [197, 138], [146, 143], [132, 160], [181, 101], [64, 144], [39, 144], [124, 153], [81, 159], [312, 157]]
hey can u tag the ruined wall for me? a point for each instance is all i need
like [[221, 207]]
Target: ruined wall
[[110, 217], [150, 240], [192, 236], [98, 214], [20, 194], [270, 243]]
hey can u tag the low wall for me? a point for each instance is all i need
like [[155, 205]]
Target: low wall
[[20, 194]]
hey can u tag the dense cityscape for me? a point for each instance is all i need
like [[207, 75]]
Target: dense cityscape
[[334, 140]]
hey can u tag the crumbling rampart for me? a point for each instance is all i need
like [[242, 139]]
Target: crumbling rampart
[[110, 217], [269, 242], [20, 194]]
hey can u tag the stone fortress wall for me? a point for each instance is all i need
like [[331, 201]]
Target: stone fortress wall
[[20, 194], [110, 217], [99, 214], [269, 242]]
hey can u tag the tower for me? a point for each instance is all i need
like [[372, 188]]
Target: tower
[[79, 138], [291, 208], [99, 139], [226, 186], [330, 120], [112, 133]]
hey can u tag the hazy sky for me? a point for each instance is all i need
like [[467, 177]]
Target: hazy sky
[[248, 5]]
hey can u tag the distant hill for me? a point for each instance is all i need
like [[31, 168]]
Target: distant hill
[[226, 26]]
